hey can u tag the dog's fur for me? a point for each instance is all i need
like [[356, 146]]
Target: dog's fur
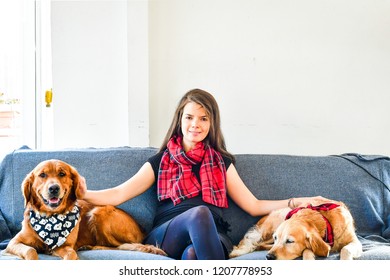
[[302, 234], [53, 186]]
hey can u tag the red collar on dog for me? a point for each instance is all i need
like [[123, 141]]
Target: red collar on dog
[[328, 238]]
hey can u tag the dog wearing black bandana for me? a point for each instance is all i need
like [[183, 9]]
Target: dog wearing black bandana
[[57, 222], [313, 230]]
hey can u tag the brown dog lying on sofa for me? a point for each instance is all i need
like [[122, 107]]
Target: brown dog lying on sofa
[[56, 222], [305, 231]]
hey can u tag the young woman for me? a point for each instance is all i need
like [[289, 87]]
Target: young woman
[[193, 173]]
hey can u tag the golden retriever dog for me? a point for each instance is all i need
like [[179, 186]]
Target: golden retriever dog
[[57, 222], [304, 232]]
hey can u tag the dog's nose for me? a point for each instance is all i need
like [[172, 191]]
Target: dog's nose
[[270, 257], [54, 189]]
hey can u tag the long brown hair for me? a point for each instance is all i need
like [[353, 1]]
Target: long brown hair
[[215, 137]]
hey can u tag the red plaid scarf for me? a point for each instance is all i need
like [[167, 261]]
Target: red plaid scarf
[[177, 181]]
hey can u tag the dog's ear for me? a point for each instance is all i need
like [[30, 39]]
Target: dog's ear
[[79, 185], [26, 187], [317, 244]]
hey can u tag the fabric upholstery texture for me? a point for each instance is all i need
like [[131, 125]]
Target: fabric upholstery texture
[[361, 181]]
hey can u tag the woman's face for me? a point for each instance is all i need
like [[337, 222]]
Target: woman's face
[[195, 125]]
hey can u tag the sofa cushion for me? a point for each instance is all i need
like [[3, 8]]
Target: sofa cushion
[[98, 255]]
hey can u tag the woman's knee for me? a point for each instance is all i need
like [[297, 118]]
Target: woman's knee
[[201, 215], [201, 212], [189, 253]]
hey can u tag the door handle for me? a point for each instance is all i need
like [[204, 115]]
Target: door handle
[[49, 97]]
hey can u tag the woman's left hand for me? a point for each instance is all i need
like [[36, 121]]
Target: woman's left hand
[[305, 201]]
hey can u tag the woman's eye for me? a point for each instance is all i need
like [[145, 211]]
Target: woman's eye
[[42, 175]]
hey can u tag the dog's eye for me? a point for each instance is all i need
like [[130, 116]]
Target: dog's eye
[[61, 174], [289, 241], [42, 175]]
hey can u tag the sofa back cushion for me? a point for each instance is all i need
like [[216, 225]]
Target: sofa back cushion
[[102, 168], [360, 184]]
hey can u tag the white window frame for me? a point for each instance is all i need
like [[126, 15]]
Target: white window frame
[[29, 134]]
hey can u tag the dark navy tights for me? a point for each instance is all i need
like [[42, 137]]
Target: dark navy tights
[[191, 235]]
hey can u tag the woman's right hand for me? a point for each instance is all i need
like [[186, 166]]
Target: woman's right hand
[[82, 188]]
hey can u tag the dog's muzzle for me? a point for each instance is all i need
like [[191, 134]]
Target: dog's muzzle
[[53, 194], [270, 256]]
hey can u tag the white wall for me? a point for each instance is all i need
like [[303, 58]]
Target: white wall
[[296, 77], [138, 74], [90, 73]]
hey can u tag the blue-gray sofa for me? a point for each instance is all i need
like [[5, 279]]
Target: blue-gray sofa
[[362, 182]]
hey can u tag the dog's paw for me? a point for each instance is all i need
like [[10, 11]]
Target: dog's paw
[[31, 254], [308, 254], [156, 250], [237, 251], [85, 248], [351, 251]]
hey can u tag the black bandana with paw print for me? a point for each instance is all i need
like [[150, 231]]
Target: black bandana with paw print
[[54, 229]]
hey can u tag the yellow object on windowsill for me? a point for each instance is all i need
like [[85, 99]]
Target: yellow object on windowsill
[[48, 97]]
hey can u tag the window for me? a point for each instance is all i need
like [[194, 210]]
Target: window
[[17, 75]]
